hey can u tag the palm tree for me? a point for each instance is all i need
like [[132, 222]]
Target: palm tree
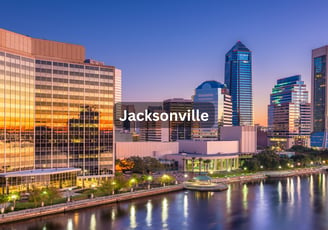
[[200, 165], [207, 162]]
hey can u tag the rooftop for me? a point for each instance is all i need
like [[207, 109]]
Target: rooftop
[[37, 172]]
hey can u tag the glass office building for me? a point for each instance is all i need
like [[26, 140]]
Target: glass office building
[[319, 136], [289, 113], [73, 115], [56, 108], [178, 130], [238, 78], [216, 94]]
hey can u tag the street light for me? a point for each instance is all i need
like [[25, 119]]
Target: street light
[[261, 166], [44, 193], [149, 179], [113, 183], [93, 188], [14, 198], [279, 167], [132, 182]]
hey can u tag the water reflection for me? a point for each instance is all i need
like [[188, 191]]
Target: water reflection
[[133, 219], [292, 203], [164, 212], [149, 208], [245, 196]]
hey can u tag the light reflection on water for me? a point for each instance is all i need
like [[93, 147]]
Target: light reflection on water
[[291, 203]]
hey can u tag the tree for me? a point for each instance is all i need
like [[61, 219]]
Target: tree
[[53, 194], [107, 187], [3, 200], [207, 163], [200, 165], [193, 164], [35, 195], [14, 196]]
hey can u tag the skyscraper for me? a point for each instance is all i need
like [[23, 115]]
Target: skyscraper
[[216, 94], [238, 78], [289, 113], [178, 130], [319, 137], [56, 107]]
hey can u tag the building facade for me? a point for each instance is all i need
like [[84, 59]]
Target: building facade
[[56, 108], [178, 130], [217, 95], [289, 113], [319, 137], [238, 78]]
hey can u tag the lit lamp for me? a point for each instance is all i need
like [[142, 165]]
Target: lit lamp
[[132, 182], [14, 198], [113, 183], [44, 193], [149, 179], [93, 188]]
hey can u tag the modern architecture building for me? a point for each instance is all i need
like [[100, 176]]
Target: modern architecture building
[[178, 130], [238, 78], [245, 135], [319, 110], [289, 113], [56, 108], [216, 95]]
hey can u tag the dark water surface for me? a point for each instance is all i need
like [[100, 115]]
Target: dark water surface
[[294, 203]]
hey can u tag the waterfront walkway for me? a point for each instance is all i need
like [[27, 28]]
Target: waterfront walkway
[[70, 206]]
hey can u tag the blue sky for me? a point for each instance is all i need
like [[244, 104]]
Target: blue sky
[[166, 48]]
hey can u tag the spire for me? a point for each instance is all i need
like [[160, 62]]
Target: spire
[[239, 46]]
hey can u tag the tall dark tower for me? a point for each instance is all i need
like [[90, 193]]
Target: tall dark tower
[[238, 78]]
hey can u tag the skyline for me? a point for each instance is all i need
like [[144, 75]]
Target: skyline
[[178, 45]]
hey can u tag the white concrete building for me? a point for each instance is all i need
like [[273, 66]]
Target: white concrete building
[[246, 135], [208, 147], [145, 149]]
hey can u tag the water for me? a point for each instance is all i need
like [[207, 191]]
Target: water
[[293, 203]]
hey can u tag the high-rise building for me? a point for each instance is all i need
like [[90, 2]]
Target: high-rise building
[[319, 137], [178, 130], [56, 108], [289, 113], [216, 94], [238, 78]]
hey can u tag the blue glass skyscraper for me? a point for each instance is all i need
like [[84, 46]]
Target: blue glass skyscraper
[[238, 78]]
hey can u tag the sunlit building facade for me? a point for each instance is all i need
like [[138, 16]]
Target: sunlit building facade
[[56, 108], [289, 113], [217, 95], [238, 78]]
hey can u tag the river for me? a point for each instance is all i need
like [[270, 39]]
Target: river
[[297, 203]]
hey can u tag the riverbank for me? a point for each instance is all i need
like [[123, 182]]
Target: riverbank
[[295, 172], [75, 205], [71, 206]]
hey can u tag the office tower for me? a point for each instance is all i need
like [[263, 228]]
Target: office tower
[[238, 78], [56, 107], [319, 137], [154, 130], [289, 113], [217, 95], [178, 130]]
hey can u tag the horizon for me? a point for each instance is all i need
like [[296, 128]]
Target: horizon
[[166, 49]]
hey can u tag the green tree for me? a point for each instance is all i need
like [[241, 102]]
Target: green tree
[[3, 200], [35, 195], [53, 194]]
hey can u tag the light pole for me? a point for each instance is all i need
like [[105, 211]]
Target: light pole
[[43, 194], [93, 191], [149, 179], [14, 198], [132, 182], [113, 184]]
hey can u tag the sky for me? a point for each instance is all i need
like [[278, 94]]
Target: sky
[[166, 48]]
